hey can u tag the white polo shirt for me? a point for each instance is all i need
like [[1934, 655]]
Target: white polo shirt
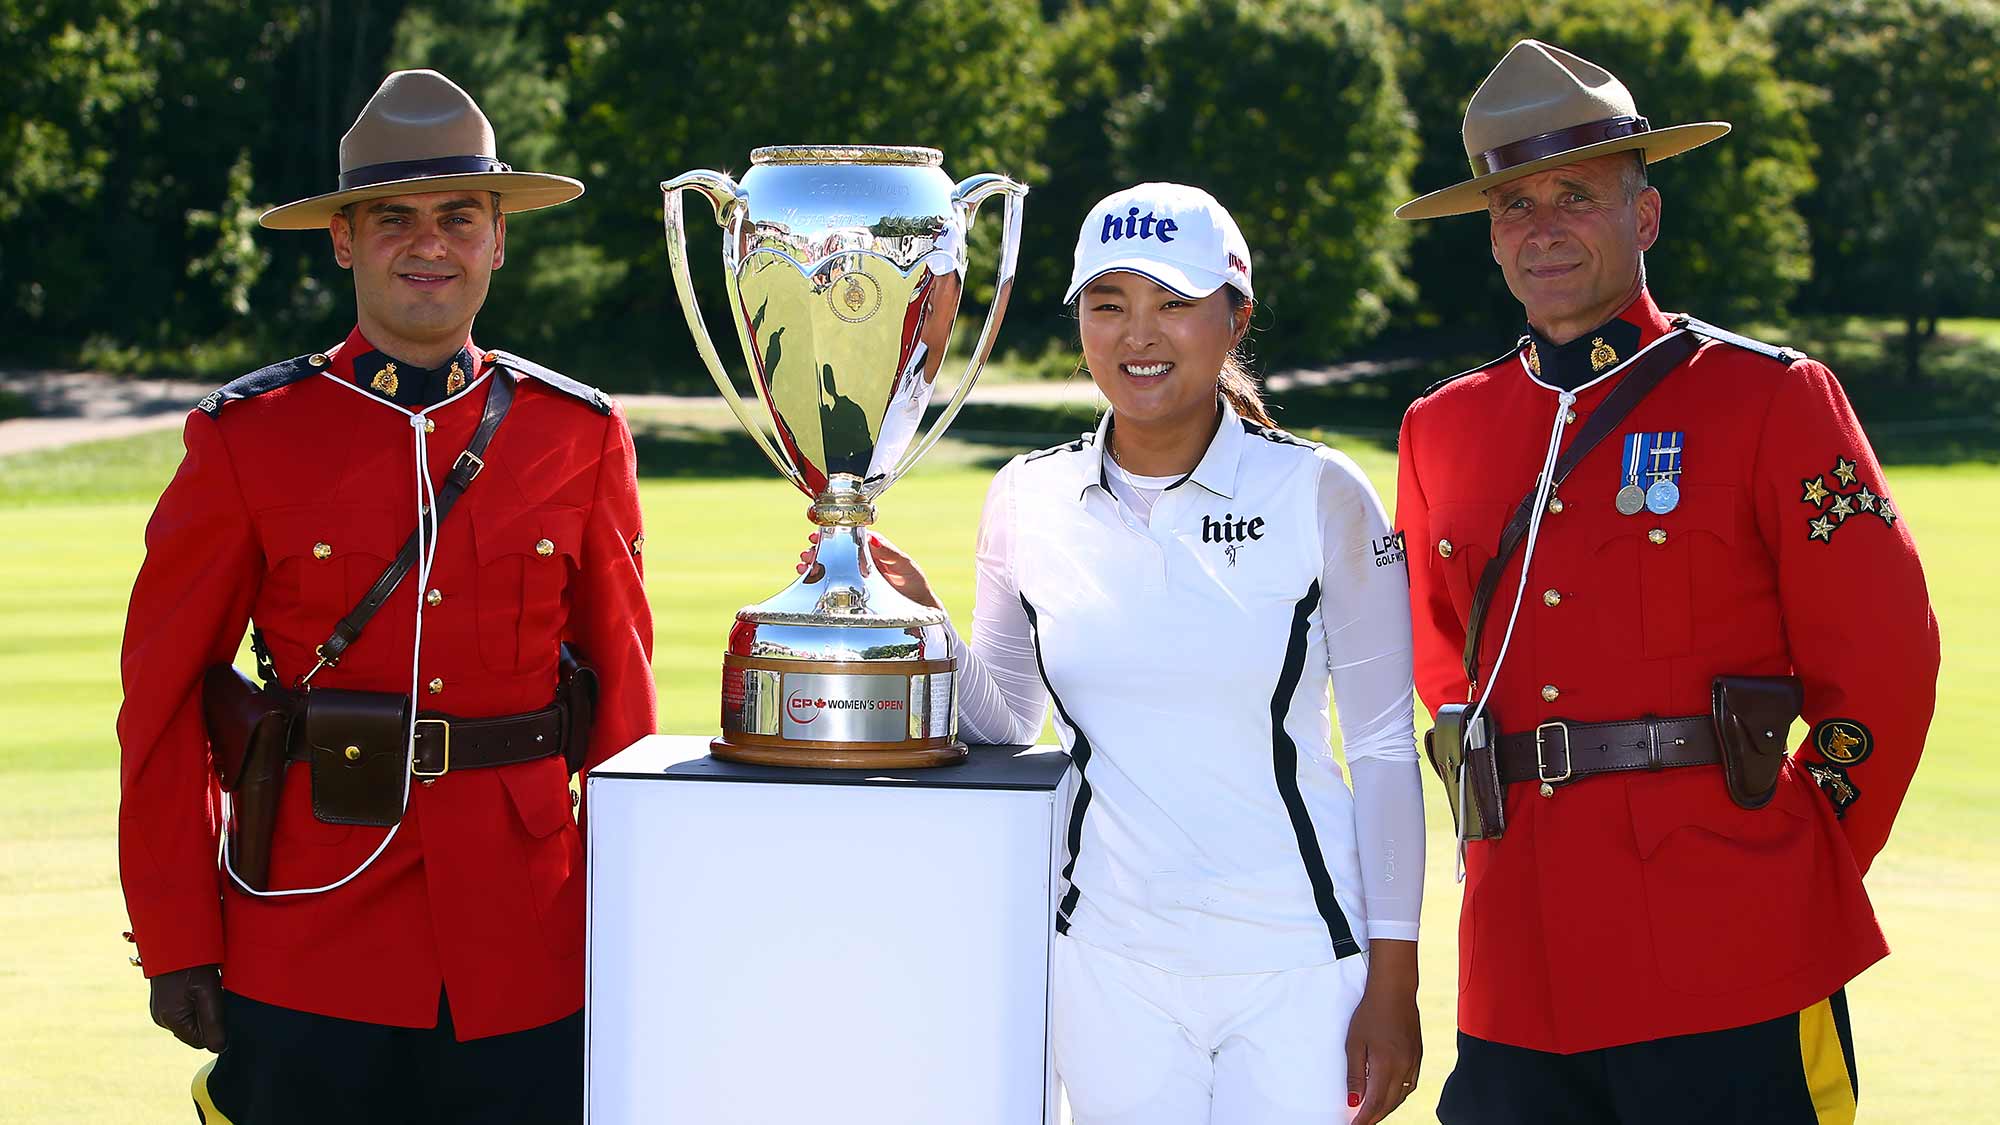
[[1187, 651]]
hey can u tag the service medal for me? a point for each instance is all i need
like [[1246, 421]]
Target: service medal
[[1631, 500], [1663, 496]]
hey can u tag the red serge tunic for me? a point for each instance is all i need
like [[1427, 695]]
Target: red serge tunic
[[1635, 906], [287, 507]]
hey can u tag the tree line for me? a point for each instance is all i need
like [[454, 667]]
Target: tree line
[[141, 138]]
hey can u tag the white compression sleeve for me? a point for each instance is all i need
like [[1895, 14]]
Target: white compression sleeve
[[1365, 610], [1001, 697]]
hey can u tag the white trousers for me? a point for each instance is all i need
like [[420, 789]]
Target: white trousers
[[1137, 1045]]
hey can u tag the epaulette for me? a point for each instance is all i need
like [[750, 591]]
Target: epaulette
[[1476, 369], [281, 374], [1275, 436], [1076, 446], [583, 392], [1709, 331]]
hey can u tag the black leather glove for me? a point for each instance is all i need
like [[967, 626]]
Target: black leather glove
[[188, 1002]]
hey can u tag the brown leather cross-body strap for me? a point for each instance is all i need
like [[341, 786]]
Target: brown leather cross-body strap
[[499, 399], [1639, 379]]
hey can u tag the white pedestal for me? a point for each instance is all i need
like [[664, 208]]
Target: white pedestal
[[771, 945]]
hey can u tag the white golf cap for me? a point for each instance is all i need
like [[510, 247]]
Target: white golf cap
[[1176, 236]]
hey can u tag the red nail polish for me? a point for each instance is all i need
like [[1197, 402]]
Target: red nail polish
[[1353, 1100]]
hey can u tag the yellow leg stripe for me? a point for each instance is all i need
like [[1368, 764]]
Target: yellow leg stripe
[[204, 1106], [1826, 1065]]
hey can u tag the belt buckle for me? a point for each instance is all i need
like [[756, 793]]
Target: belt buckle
[[1541, 763], [417, 771]]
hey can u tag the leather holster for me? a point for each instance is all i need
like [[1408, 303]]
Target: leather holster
[[358, 746], [247, 730], [576, 693], [1753, 721], [1466, 760]]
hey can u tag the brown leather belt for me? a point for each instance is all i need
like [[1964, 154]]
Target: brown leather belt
[[445, 743], [1558, 751]]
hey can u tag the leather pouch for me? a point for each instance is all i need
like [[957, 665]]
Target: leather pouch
[[576, 689], [1753, 721], [248, 727], [1464, 755], [359, 753]]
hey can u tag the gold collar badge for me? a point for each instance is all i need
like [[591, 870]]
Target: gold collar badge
[[1602, 355], [385, 381], [454, 382], [1534, 360]]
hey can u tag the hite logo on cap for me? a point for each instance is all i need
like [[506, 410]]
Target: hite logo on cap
[[1134, 225]]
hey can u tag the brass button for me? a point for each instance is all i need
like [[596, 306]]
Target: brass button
[[322, 551], [1555, 505], [1552, 597], [1657, 536], [433, 598], [1550, 692], [544, 548], [1569, 419], [353, 753], [638, 543], [1444, 548], [317, 359], [430, 425], [435, 686], [136, 963]]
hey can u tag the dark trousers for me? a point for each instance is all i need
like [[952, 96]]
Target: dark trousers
[[1793, 1070], [286, 1067]]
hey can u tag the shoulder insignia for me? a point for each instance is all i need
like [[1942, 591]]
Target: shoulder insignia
[[1510, 353], [555, 380], [1844, 742], [264, 379], [1276, 436], [1709, 331], [1083, 439], [1836, 784]]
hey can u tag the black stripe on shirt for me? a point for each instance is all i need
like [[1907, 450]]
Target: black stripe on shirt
[[1285, 764], [1080, 754]]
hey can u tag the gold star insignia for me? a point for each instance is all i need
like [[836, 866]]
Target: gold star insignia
[[1816, 493], [1843, 506], [1864, 499], [454, 382], [1822, 529], [385, 381], [1887, 511], [1602, 355], [1844, 469]]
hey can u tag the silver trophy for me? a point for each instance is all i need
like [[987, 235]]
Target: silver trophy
[[844, 266]]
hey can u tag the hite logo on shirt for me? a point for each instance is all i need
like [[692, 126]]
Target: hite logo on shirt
[[1231, 532]]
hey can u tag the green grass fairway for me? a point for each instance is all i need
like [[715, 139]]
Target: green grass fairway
[[73, 1027]]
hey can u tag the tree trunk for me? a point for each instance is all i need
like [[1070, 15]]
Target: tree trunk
[[1913, 346], [1930, 327]]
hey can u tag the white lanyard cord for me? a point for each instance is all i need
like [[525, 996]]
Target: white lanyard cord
[[1543, 485], [427, 527]]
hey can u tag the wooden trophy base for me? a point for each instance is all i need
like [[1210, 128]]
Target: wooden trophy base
[[836, 755]]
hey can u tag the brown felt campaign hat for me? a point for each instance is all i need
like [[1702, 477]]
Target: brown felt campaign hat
[[1541, 108], [421, 133]]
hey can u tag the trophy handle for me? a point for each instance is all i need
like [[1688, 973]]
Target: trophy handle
[[728, 200], [967, 197]]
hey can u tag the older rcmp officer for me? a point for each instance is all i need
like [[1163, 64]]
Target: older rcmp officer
[[416, 952], [1661, 905]]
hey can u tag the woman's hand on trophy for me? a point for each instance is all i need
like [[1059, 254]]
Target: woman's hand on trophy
[[905, 576]]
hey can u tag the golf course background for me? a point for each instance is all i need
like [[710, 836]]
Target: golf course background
[[78, 1046]]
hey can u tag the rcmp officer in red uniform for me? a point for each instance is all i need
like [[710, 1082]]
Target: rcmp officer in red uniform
[[427, 964], [1665, 906]]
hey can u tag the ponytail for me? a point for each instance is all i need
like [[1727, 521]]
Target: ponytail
[[1236, 382]]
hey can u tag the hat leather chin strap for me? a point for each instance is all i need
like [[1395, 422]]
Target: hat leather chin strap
[[368, 175], [1535, 148]]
